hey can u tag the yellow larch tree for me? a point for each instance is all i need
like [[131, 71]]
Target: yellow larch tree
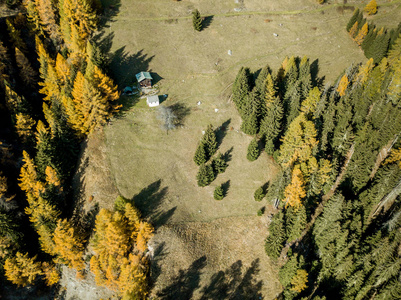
[[91, 109], [354, 30], [63, 69], [133, 283], [395, 156], [295, 191], [21, 269], [46, 239], [51, 273], [68, 245], [270, 92], [361, 34], [364, 71], [41, 212], [308, 106], [51, 177], [108, 90], [24, 127], [47, 14], [299, 281], [144, 234], [342, 86], [371, 7], [28, 177], [50, 85], [299, 142], [33, 16]]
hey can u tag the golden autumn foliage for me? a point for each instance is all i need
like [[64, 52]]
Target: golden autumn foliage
[[63, 69], [51, 176], [270, 90], [342, 86], [47, 15], [68, 245], [395, 156], [308, 106], [364, 71], [28, 177], [299, 141], [119, 244], [24, 127], [39, 211], [21, 269], [354, 30], [299, 281], [52, 275], [295, 191], [361, 34], [371, 7]]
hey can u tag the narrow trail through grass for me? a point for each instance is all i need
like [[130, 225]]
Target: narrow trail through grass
[[250, 13]]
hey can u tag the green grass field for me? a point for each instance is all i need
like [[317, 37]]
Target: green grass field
[[156, 169]]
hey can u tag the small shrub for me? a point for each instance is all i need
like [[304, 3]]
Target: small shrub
[[259, 194], [119, 204], [197, 20], [218, 193], [253, 150], [260, 212], [321, 1]]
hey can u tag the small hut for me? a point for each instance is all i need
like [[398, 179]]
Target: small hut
[[152, 100], [144, 79]]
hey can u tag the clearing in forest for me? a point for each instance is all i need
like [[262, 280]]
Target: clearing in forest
[[203, 248]]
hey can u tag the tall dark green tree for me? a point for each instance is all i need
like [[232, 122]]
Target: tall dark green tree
[[241, 88], [209, 141], [253, 150], [353, 19], [275, 241], [200, 154]]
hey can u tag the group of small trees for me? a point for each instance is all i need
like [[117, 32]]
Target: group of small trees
[[205, 151], [374, 42]]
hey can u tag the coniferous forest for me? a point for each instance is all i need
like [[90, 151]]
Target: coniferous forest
[[55, 91], [336, 232]]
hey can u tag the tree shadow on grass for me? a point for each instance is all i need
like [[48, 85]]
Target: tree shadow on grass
[[221, 132], [227, 156], [125, 65], [225, 186], [232, 284], [181, 111], [207, 21], [184, 284], [158, 254], [149, 200]]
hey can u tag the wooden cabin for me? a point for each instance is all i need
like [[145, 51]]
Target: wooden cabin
[[144, 79]]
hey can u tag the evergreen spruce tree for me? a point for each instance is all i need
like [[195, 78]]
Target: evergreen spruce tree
[[241, 88], [250, 125], [218, 193], [209, 141], [368, 41], [353, 19], [379, 47], [305, 76], [27, 73], [197, 20], [219, 164], [253, 150], [275, 241], [205, 175], [271, 125], [200, 154], [298, 223]]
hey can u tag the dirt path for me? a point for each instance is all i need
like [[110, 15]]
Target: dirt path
[[282, 12]]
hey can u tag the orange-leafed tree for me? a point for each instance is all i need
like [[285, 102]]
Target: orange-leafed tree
[[295, 191], [52, 275], [342, 86], [361, 34], [308, 106], [68, 245], [354, 30]]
